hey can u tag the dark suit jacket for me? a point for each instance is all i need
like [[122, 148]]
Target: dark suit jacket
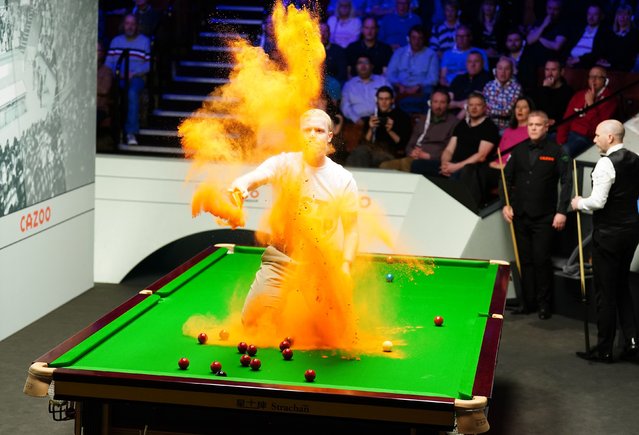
[[532, 188]]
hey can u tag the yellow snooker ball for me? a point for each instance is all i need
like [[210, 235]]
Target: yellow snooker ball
[[387, 346]]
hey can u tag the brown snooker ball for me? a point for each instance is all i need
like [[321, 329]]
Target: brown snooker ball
[[251, 350], [216, 366], [438, 320], [287, 354], [224, 335], [309, 375], [245, 360], [202, 338], [241, 347], [183, 363], [389, 259], [255, 364]]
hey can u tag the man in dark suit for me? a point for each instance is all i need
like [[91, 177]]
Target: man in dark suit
[[533, 170], [613, 203]]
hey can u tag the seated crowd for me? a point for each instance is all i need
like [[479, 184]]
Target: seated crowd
[[437, 88]]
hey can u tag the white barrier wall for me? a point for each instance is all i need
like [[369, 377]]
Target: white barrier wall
[[47, 156], [143, 204]]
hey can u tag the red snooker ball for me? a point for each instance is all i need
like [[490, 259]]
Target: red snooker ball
[[256, 364], [216, 366], [439, 320], [284, 345], [290, 340], [202, 338], [251, 350], [287, 354], [241, 347], [183, 363], [245, 360], [309, 375]]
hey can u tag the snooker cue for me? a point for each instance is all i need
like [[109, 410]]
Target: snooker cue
[[582, 274], [512, 227]]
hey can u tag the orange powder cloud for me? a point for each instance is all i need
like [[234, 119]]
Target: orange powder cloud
[[261, 108]]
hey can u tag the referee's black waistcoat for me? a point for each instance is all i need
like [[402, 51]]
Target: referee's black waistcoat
[[532, 173], [621, 206]]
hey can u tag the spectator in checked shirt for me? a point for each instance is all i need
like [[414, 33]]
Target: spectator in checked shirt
[[502, 93]]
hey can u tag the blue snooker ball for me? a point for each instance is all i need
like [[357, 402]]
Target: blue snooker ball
[[389, 277]]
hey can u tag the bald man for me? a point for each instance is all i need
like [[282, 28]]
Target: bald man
[[613, 203]]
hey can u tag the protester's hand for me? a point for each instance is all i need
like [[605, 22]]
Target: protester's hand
[[239, 186], [373, 121]]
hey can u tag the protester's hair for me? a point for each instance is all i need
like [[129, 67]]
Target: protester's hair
[[318, 112]]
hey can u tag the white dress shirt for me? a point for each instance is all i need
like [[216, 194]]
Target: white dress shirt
[[603, 176]]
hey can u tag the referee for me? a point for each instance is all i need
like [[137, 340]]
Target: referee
[[613, 202]]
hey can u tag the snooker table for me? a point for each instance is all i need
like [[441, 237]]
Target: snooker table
[[121, 372]]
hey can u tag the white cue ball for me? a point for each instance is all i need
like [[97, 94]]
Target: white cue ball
[[387, 346]]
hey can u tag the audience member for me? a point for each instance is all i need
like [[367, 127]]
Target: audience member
[[386, 134], [148, 18], [382, 8], [431, 133], [536, 209], [344, 25], [104, 84], [576, 135], [335, 63], [465, 156], [368, 44], [502, 93], [546, 39], [613, 203], [454, 60], [413, 71], [358, 94], [473, 80], [359, 7], [137, 48], [587, 43], [554, 93], [488, 30], [394, 27], [622, 44], [514, 45], [442, 37], [516, 132]]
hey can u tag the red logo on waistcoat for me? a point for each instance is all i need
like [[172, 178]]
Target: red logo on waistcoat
[[547, 158]]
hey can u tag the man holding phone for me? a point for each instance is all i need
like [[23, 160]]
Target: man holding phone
[[387, 132]]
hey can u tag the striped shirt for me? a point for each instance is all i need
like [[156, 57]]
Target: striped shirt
[[443, 37], [139, 54]]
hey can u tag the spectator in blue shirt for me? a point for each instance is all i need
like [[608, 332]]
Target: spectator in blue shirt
[[359, 93], [413, 71], [394, 27], [454, 60]]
